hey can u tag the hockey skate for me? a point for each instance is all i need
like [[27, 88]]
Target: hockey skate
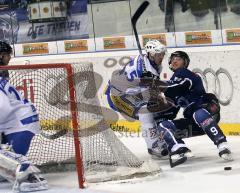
[[179, 156], [224, 152], [2, 179], [159, 152], [34, 182], [28, 179], [188, 153], [156, 154]]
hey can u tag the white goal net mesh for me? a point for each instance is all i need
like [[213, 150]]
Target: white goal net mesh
[[48, 89]]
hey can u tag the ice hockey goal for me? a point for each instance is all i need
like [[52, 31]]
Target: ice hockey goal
[[71, 121]]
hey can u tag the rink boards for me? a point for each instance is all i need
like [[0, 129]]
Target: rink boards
[[218, 66]]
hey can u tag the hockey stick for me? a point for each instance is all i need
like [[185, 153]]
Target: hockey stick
[[56, 135], [134, 20]]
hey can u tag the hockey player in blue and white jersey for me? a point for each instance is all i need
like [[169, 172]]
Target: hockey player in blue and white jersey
[[127, 94], [19, 123], [186, 89]]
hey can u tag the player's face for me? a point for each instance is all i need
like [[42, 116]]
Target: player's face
[[5, 58], [158, 58], [177, 63]]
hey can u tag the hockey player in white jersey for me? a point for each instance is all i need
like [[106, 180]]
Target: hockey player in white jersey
[[19, 123], [127, 94]]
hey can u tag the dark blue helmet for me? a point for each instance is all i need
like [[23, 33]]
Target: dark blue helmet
[[182, 55], [5, 47]]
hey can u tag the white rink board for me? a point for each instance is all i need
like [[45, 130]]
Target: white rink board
[[224, 57]]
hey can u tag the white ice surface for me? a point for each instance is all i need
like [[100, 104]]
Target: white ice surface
[[202, 174]]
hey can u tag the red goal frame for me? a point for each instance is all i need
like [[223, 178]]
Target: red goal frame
[[73, 106]]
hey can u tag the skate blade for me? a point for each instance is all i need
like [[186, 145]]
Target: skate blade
[[176, 157], [156, 157], [174, 162], [189, 155], [33, 189], [227, 157]]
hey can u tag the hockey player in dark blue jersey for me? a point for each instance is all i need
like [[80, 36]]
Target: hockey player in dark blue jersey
[[186, 89]]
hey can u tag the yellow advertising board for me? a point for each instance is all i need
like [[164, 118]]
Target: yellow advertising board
[[204, 37], [160, 37], [233, 35], [114, 42], [124, 126], [36, 48], [75, 45]]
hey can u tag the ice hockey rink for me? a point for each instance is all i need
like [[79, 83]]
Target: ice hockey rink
[[203, 173]]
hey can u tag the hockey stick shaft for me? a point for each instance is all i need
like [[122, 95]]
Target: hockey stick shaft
[[134, 20]]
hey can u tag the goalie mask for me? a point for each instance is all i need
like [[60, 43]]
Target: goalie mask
[[179, 54], [154, 46]]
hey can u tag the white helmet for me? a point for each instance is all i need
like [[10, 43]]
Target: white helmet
[[154, 46]]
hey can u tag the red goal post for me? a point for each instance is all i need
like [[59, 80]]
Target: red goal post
[[72, 95]]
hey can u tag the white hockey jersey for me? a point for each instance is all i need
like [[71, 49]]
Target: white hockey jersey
[[134, 71], [127, 81], [124, 91], [21, 115]]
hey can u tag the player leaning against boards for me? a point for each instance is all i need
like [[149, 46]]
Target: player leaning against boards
[[186, 89], [19, 123]]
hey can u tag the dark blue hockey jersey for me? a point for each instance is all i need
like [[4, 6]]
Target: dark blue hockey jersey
[[185, 88]]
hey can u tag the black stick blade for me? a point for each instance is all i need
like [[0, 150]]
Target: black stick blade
[[139, 12]]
